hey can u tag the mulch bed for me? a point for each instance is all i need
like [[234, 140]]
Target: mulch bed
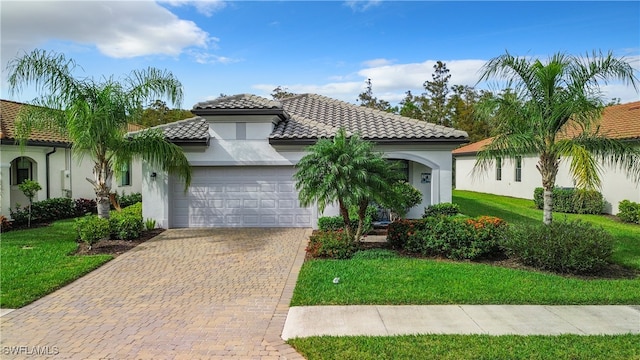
[[116, 247]]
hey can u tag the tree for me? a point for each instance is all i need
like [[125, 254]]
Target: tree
[[464, 116], [281, 93], [435, 107], [158, 113], [552, 111], [410, 107], [367, 99], [94, 116], [29, 188], [345, 170]]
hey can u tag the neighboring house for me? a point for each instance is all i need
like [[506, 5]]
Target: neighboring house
[[47, 158], [243, 149], [519, 177]]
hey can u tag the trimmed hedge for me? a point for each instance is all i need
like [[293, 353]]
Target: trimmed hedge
[[567, 247], [442, 209], [447, 236], [91, 229], [570, 200], [330, 244], [629, 211]]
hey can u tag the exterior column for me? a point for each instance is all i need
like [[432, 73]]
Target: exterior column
[[5, 189]]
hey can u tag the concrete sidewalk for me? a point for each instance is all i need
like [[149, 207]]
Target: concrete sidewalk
[[387, 320]]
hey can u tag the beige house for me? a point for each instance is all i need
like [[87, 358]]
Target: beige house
[[47, 158], [519, 177]]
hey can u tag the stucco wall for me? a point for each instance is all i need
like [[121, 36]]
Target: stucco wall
[[67, 175], [616, 186], [247, 145]]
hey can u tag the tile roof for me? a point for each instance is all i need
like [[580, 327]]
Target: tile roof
[[314, 116], [238, 102], [194, 130], [620, 122], [9, 111]]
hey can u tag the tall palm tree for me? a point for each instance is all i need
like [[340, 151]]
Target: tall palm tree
[[345, 170], [94, 115], [552, 109]]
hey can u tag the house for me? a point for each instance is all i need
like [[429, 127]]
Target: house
[[243, 149], [519, 177], [47, 158]]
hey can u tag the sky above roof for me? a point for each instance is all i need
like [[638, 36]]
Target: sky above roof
[[324, 47]]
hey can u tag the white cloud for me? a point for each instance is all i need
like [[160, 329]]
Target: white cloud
[[207, 58], [377, 62], [204, 7], [347, 91], [119, 29], [362, 5]]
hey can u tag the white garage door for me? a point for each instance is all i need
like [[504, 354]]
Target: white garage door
[[251, 196]]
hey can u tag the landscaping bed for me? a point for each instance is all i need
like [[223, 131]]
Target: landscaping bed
[[115, 247]]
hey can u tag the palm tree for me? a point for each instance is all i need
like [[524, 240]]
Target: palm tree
[[94, 115], [345, 170], [552, 110]]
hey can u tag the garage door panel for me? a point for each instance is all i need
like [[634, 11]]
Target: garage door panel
[[238, 196]]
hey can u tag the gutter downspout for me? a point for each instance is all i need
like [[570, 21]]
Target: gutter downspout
[[47, 170]]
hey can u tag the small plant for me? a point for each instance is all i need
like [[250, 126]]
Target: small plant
[[405, 196], [29, 188], [399, 231], [566, 247], [85, 206], [330, 244], [91, 229], [126, 224], [149, 224], [629, 211]]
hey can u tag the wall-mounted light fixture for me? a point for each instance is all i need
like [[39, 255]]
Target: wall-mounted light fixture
[[153, 175]]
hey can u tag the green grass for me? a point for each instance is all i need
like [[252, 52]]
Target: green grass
[[35, 262], [522, 211], [456, 347], [421, 281], [424, 281]]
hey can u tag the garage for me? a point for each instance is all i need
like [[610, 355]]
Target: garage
[[240, 196]]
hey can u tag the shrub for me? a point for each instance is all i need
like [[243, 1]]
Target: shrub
[[404, 197], [629, 211], [442, 209], [458, 238], [91, 228], [399, 231], [373, 254], [128, 200], [85, 206], [569, 200], [330, 244], [566, 247], [326, 223], [44, 211], [127, 224]]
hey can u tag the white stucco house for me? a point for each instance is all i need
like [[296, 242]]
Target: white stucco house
[[243, 149], [519, 178], [48, 159]]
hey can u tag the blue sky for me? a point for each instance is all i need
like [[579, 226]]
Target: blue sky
[[325, 47]]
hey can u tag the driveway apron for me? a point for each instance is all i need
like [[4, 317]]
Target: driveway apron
[[187, 294]]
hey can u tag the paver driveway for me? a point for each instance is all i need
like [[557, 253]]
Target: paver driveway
[[187, 294]]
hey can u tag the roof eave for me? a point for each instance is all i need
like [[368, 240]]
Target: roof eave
[[190, 142], [8, 141], [311, 141], [278, 112]]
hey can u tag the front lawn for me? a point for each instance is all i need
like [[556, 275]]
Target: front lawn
[[401, 281], [427, 281], [456, 347], [522, 211], [38, 261]]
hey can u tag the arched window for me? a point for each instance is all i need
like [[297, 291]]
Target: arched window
[[21, 170]]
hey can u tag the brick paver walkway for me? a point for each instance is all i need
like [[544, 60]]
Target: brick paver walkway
[[187, 294]]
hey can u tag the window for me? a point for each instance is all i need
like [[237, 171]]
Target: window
[[499, 169], [518, 168], [22, 169], [125, 174]]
